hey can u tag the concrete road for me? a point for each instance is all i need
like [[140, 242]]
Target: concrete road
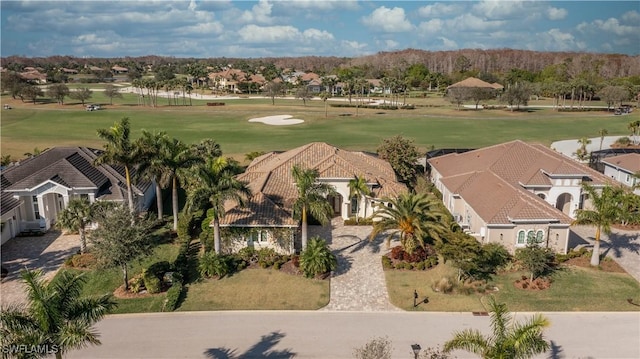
[[325, 335]]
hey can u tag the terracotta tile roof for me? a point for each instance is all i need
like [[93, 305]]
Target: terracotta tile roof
[[473, 82], [259, 211], [502, 172], [629, 162], [270, 176]]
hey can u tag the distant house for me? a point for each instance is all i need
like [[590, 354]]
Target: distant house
[[622, 169], [226, 80], [69, 71], [35, 190], [267, 220], [119, 69], [34, 76], [472, 82], [514, 192]]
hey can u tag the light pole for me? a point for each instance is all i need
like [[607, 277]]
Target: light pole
[[416, 350]]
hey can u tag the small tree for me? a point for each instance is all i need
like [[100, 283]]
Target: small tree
[[272, 90], [402, 155], [58, 92], [325, 96], [458, 95], [602, 132], [120, 237], [82, 94], [304, 94], [31, 93], [537, 260], [582, 153], [112, 92]]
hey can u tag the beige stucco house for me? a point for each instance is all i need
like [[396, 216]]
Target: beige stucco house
[[622, 168], [514, 192], [274, 191]]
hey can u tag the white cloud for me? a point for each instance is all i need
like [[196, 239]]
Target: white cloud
[[319, 4], [632, 17], [556, 40], [268, 34], [207, 28], [432, 26], [470, 22], [448, 43], [260, 13], [439, 9], [498, 10], [317, 35], [384, 19], [554, 13]]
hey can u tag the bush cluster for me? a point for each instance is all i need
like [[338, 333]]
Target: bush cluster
[[419, 254], [86, 260], [360, 222], [561, 258]]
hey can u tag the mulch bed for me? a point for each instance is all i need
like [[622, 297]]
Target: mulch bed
[[608, 265]]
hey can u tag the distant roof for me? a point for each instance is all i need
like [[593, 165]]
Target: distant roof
[[472, 82], [629, 162], [504, 172]]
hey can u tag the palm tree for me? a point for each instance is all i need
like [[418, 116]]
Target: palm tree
[[312, 198], [604, 212], [177, 157], [213, 185], [357, 189], [76, 217], [55, 317], [582, 152], [415, 217], [149, 150], [119, 150], [602, 132], [509, 340]]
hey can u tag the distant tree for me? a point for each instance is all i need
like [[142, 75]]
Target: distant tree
[[31, 93], [58, 92], [120, 237], [517, 95], [582, 153], [272, 90], [12, 83], [82, 94], [402, 155], [112, 92], [304, 94], [55, 317], [462, 64], [325, 96], [613, 94], [602, 132], [5, 160], [478, 94], [634, 126], [458, 95], [165, 73]]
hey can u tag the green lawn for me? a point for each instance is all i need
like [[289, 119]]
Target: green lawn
[[264, 289], [47, 125], [573, 289]]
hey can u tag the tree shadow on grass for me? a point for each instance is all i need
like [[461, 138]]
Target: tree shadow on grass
[[262, 349]]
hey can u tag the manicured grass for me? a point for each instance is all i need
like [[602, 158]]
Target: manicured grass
[[257, 289], [573, 289], [103, 281], [47, 125]]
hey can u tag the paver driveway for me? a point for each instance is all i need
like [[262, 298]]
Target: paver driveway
[[46, 252], [358, 284]]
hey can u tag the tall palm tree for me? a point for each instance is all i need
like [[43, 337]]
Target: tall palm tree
[[604, 212], [312, 198], [509, 339], [602, 132], [213, 184], [415, 217], [177, 157], [55, 317], [150, 148], [634, 126], [119, 150], [358, 188], [76, 217]]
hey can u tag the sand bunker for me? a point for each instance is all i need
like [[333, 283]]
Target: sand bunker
[[280, 120]]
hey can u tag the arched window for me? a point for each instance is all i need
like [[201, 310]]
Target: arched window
[[539, 236], [531, 236], [521, 240]]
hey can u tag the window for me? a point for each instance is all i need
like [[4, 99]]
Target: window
[[258, 236], [354, 205], [521, 240], [36, 209], [531, 237], [539, 236], [627, 178]]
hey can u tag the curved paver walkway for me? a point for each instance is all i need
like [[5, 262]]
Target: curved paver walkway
[[47, 252], [358, 283]]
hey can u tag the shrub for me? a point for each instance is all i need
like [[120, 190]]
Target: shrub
[[212, 264], [266, 257], [538, 261], [248, 254], [351, 221], [317, 258], [136, 284], [295, 259], [408, 266], [185, 225], [397, 253], [151, 282], [421, 265], [174, 295], [377, 348], [85, 260], [277, 265], [386, 262], [443, 285]]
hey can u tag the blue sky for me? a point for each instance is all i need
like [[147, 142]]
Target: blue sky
[[265, 28]]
